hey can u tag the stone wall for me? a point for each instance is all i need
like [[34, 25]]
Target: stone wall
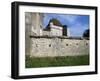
[[55, 30], [58, 46], [28, 27], [33, 21]]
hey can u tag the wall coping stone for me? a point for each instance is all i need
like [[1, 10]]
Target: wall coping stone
[[61, 37]]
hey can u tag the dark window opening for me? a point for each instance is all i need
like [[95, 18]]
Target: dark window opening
[[66, 44], [86, 43], [49, 45], [76, 43]]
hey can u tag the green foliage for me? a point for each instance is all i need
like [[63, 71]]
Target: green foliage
[[32, 62]]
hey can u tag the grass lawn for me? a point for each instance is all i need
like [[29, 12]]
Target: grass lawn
[[56, 61]]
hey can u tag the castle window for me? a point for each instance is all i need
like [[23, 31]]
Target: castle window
[[66, 44], [49, 45], [76, 43], [86, 43]]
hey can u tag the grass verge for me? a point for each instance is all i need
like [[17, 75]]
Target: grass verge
[[56, 61]]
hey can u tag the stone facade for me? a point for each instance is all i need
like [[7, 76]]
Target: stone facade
[[33, 26], [56, 30], [56, 46], [53, 31]]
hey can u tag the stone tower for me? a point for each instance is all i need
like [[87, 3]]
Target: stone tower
[[33, 26], [37, 24]]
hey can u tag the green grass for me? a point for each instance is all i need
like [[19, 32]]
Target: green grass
[[56, 61]]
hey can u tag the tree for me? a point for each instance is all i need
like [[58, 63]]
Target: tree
[[86, 33]]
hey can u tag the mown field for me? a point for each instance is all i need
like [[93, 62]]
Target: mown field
[[56, 61]]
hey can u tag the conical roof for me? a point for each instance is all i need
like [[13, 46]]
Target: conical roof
[[55, 22]]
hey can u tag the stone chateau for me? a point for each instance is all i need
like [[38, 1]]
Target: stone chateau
[[53, 40]]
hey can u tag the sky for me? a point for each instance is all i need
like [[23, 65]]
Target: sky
[[77, 24]]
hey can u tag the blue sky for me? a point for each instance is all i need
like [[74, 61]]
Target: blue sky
[[77, 24]]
